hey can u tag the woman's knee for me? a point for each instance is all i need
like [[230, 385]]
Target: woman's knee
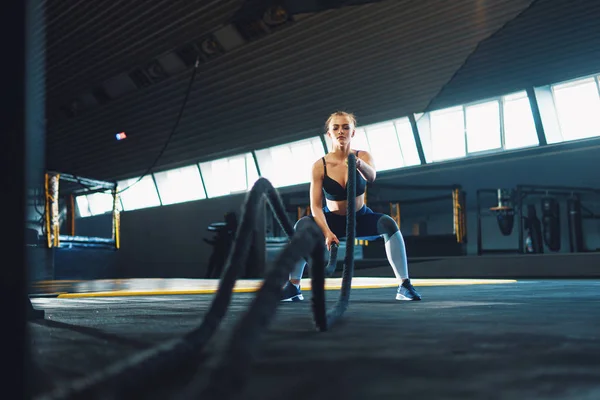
[[386, 226], [304, 221]]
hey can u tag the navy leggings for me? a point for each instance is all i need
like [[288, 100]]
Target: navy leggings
[[369, 226], [366, 223]]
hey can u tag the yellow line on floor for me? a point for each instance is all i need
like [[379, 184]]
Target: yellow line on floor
[[250, 286], [122, 293]]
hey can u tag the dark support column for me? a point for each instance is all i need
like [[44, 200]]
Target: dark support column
[[202, 180], [34, 112], [156, 187], [479, 238], [415, 130], [17, 134], [537, 118], [324, 143], [256, 163]]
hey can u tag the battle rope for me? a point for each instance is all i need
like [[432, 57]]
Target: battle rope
[[228, 378], [131, 376], [348, 271]]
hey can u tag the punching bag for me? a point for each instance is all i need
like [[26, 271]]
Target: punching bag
[[505, 213], [575, 225], [535, 229], [551, 223]]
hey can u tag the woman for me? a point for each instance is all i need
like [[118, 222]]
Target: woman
[[329, 177]]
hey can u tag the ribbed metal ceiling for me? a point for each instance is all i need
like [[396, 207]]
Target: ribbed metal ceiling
[[381, 61], [552, 41], [90, 42]]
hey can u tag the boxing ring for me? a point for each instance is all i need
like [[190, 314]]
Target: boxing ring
[[64, 188], [129, 377]]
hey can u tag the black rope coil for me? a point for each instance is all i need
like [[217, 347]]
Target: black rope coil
[[131, 376]]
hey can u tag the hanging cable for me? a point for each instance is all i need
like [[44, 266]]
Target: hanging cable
[[182, 108]]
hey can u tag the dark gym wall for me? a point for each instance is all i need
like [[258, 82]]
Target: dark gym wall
[[391, 69], [167, 241], [156, 242], [567, 164]]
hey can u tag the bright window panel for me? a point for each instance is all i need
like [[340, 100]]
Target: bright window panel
[[100, 203], [483, 127], [384, 146], [83, 206], [290, 164], [447, 134], [519, 127], [180, 185], [578, 108], [226, 175], [252, 172], [215, 174], [273, 165], [142, 194], [407, 142], [237, 174], [360, 141]]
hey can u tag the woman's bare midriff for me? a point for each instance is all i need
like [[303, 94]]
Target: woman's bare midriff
[[340, 207]]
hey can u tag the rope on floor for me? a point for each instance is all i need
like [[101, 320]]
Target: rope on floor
[[135, 375]]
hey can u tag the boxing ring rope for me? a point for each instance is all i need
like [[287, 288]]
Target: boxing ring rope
[[458, 196], [52, 211], [129, 377], [52, 214], [459, 215]]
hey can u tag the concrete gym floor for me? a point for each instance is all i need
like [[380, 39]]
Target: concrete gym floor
[[513, 340]]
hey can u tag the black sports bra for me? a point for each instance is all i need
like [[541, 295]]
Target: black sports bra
[[333, 189]]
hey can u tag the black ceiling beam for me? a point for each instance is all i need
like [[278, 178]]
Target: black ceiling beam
[[255, 9], [314, 6]]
